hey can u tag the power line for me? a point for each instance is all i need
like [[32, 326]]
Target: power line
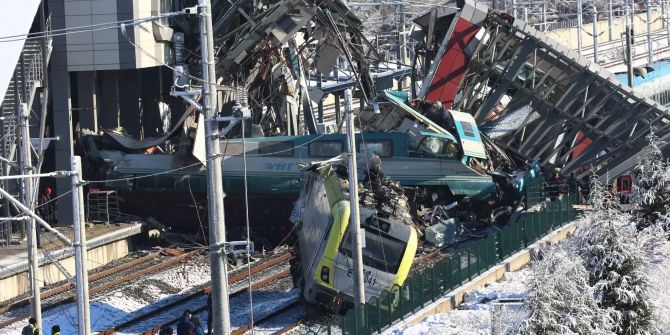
[[84, 29]]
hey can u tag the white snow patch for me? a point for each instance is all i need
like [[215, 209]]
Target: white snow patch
[[118, 305], [457, 322], [474, 315], [659, 273]]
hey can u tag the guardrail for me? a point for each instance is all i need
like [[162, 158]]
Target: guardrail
[[473, 259]]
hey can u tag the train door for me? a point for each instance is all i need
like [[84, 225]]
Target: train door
[[624, 187]]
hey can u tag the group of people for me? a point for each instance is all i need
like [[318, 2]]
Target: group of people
[[31, 328], [557, 185], [189, 324]]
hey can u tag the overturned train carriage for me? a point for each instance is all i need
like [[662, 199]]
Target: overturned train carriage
[[326, 266]]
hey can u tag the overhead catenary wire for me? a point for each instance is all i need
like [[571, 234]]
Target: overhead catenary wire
[[86, 28], [122, 28]]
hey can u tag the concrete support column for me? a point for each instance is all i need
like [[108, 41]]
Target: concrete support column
[[61, 105], [108, 100], [87, 100], [62, 116]]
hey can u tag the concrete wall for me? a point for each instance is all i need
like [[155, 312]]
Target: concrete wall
[[568, 36], [106, 49], [18, 284]]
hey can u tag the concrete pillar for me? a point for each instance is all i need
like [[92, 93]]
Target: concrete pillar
[[129, 101], [87, 100], [62, 111], [108, 103]]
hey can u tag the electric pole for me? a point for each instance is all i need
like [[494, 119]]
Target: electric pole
[[579, 26], [609, 19], [217, 227], [80, 258], [595, 35], [27, 186], [629, 54], [400, 53], [524, 12], [354, 218], [650, 46]]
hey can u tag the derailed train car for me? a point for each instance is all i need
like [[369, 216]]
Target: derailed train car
[[325, 266]]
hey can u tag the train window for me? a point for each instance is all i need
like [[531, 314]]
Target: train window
[[381, 251], [467, 129], [381, 148], [325, 148], [233, 148], [625, 184], [438, 147], [282, 149]]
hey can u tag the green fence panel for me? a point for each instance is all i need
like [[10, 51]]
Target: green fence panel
[[348, 323], [453, 271], [452, 268], [417, 296], [371, 315]]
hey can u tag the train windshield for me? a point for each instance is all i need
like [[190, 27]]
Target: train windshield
[[381, 251]]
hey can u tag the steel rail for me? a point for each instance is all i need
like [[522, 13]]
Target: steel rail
[[108, 285], [234, 278]]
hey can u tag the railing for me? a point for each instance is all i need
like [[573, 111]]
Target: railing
[[662, 98], [28, 73], [535, 191], [454, 270]]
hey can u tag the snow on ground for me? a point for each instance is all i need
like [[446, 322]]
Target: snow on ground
[[122, 303], [474, 315], [158, 289], [659, 274]]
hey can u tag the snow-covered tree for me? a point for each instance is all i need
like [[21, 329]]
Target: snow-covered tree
[[607, 241], [561, 299], [651, 189]]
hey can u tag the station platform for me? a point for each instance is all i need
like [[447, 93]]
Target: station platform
[[105, 243]]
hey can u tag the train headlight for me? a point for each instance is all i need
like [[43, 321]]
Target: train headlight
[[325, 274]]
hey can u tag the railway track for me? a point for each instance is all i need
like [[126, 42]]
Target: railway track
[[123, 273], [279, 314], [636, 57], [179, 303]]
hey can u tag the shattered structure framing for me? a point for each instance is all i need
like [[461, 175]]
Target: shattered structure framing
[[582, 117]]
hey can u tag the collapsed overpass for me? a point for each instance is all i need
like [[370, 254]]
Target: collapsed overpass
[[567, 111]]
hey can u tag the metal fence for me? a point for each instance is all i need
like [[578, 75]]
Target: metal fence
[[535, 191], [476, 257]]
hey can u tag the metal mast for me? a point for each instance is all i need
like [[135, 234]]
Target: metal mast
[[81, 272], [217, 228], [595, 34], [650, 44], [579, 26], [629, 53], [354, 218], [27, 183]]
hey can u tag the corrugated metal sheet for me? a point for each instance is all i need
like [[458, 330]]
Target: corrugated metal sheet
[[14, 20]]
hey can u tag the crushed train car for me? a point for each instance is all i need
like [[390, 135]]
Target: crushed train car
[[321, 216]]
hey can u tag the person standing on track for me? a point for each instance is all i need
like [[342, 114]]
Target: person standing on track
[[185, 325], [31, 328], [198, 328], [166, 330], [209, 314], [55, 330]]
